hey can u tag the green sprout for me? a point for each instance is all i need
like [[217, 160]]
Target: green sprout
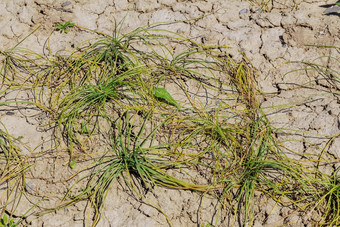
[[6, 222], [163, 94], [63, 27]]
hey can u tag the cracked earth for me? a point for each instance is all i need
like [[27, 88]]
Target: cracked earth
[[268, 39]]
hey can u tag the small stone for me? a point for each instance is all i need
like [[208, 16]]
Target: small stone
[[66, 4], [333, 9], [211, 155], [9, 113], [29, 187], [244, 11]]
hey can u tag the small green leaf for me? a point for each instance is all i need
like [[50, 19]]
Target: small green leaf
[[69, 24], [63, 27], [84, 128], [4, 218], [164, 95], [72, 164]]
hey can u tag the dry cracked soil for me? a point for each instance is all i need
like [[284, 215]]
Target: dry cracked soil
[[268, 38]]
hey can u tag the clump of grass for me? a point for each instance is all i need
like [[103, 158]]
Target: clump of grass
[[236, 141], [90, 101], [323, 188], [327, 201], [112, 74], [16, 64], [12, 177], [133, 157]]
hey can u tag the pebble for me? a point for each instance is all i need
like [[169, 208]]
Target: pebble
[[9, 113], [244, 11], [29, 187], [333, 9], [66, 4]]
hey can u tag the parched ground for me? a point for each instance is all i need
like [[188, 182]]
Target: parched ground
[[302, 101]]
